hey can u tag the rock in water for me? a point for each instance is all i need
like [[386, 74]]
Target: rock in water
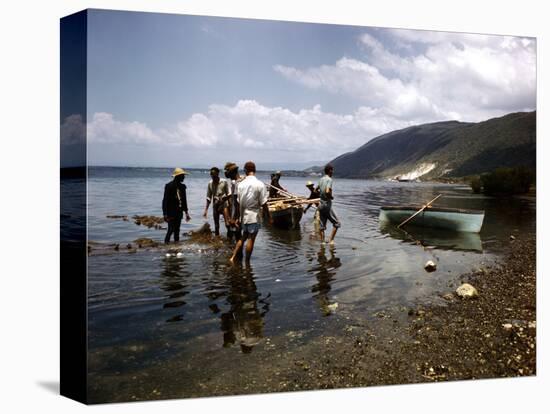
[[146, 242], [430, 266], [204, 229], [466, 291]]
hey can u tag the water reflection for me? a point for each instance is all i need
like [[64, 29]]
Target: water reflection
[[435, 238], [174, 281], [325, 271], [243, 322]]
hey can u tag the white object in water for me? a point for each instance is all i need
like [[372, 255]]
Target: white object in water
[[168, 255], [333, 306], [180, 254], [430, 266]]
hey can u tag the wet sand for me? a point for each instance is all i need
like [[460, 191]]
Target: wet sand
[[491, 336]]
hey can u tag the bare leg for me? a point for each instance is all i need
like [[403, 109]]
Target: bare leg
[[322, 235], [250, 246], [238, 248], [333, 234]]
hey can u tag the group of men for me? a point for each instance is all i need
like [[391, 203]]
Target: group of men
[[241, 200]]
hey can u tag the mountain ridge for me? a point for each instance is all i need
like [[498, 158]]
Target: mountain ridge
[[444, 149]]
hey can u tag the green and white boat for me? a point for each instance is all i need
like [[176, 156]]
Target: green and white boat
[[454, 219]]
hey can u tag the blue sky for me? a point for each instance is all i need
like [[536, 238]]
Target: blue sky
[[176, 90]]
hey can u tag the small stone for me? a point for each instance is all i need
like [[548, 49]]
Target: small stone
[[507, 326], [430, 266], [512, 237], [466, 291], [448, 296]]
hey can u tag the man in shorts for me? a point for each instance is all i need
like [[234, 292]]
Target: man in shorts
[[325, 206], [252, 197]]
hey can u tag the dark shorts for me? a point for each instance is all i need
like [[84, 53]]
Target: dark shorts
[[327, 213]]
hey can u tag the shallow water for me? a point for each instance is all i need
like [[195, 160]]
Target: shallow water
[[164, 308]]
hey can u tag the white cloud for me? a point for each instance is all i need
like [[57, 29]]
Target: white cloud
[[248, 125], [451, 75], [104, 128], [73, 130]]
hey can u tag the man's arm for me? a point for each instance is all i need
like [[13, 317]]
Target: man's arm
[[184, 204], [165, 203], [208, 197], [263, 202]]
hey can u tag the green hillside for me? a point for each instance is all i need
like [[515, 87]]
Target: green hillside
[[447, 149]]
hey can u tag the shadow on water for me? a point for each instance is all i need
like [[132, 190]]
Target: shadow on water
[[435, 238], [324, 270], [174, 281], [243, 323]]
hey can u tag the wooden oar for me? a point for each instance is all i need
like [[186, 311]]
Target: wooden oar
[[282, 191], [295, 201], [418, 212]]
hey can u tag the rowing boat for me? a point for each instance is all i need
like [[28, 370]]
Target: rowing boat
[[286, 213], [438, 217]]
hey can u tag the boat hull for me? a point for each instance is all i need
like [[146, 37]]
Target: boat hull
[[442, 218], [287, 218]]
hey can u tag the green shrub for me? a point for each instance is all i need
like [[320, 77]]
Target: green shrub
[[507, 181]]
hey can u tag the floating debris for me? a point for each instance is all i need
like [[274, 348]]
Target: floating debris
[[332, 307]]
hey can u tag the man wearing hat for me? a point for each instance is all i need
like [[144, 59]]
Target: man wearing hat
[[275, 185], [174, 204], [313, 194]]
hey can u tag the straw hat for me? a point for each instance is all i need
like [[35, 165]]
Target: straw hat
[[179, 171], [309, 184]]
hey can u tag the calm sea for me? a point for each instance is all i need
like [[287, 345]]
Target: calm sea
[[147, 311]]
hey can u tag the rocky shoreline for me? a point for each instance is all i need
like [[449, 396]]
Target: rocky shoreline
[[491, 335]]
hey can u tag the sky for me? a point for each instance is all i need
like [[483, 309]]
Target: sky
[[193, 91]]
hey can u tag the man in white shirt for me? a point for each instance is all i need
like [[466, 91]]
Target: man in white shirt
[[252, 197]]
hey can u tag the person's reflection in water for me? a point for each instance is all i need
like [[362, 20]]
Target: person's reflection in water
[[324, 270], [173, 276], [243, 323]]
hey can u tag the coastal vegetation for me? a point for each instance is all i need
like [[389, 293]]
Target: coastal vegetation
[[504, 181]]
